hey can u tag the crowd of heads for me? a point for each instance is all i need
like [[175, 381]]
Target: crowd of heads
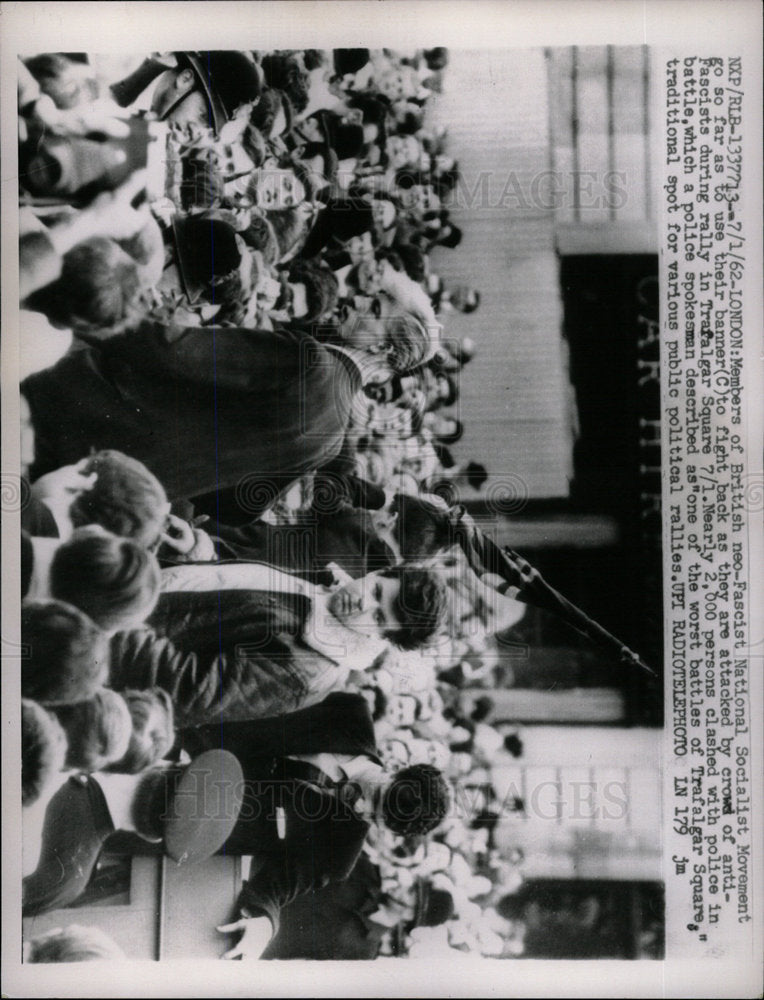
[[445, 892], [314, 182]]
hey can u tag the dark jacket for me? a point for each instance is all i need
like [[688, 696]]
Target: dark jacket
[[338, 222], [345, 907], [339, 724], [27, 563], [322, 844], [77, 823], [37, 519], [225, 655], [324, 836], [344, 537], [204, 409], [335, 485]]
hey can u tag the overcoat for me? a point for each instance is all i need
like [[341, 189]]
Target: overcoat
[[205, 409]]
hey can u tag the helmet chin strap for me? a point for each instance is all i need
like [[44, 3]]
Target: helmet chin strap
[[180, 96]]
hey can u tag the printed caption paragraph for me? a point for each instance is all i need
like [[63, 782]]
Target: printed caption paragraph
[[709, 497]]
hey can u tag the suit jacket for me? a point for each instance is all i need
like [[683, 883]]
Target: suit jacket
[[324, 836], [204, 409], [335, 486], [323, 840], [225, 656], [339, 724]]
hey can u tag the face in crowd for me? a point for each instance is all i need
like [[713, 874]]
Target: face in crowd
[[403, 151], [235, 166], [402, 710], [271, 188], [363, 324], [429, 752], [280, 122], [297, 297], [383, 213], [464, 298], [419, 198], [385, 523], [268, 291], [443, 426], [289, 296], [367, 605], [278, 188], [369, 276], [397, 83]]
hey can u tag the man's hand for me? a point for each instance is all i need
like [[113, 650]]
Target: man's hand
[[339, 576], [58, 489], [110, 214], [187, 541], [113, 213], [100, 117], [256, 934], [64, 484], [179, 535]]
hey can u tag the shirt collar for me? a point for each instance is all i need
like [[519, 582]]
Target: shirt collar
[[43, 550]]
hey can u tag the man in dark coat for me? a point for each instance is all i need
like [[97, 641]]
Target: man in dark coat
[[345, 537], [240, 640], [313, 782], [201, 408], [211, 409]]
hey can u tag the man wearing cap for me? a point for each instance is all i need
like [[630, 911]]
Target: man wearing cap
[[205, 800], [203, 88]]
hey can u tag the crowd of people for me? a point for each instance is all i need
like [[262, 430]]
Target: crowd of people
[[241, 554]]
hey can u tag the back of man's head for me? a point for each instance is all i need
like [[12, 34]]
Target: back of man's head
[[415, 801], [321, 289], [263, 116], [283, 71], [43, 750], [422, 529], [98, 730], [126, 498], [72, 944], [233, 78], [65, 656], [451, 236], [98, 289], [420, 606], [408, 342], [477, 474], [115, 581]]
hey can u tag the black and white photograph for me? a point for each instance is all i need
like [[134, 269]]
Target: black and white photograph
[[380, 495]]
